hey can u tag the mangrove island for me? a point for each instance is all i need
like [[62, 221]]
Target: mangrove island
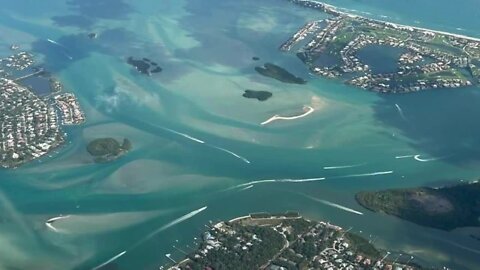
[[279, 73], [443, 208], [108, 149]]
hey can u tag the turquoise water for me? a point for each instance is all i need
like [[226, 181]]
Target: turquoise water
[[146, 202]]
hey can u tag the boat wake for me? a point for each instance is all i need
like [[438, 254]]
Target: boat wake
[[152, 234], [406, 156], [49, 222], [247, 187], [56, 43], [400, 112], [232, 153], [338, 206], [60, 45], [303, 180], [209, 145], [68, 56], [109, 261], [418, 158], [343, 167], [365, 174], [184, 135], [171, 224]]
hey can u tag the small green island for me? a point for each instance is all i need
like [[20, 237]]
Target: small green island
[[279, 73], [286, 241], [108, 149], [256, 94], [443, 208]]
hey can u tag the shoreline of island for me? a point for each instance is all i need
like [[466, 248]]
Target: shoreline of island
[[286, 240], [333, 10]]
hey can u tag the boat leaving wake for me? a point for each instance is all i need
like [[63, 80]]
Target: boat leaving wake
[[400, 112], [49, 222], [171, 224], [164, 227], [418, 158], [343, 167], [307, 109], [365, 174], [60, 45], [111, 260], [245, 188], [406, 156], [341, 207], [232, 153], [184, 135], [252, 183], [56, 43], [209, 145]]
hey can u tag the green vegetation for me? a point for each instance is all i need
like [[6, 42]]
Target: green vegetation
[[260, 95], [269, 241], [108, 149], [362, 246], [331, 49], [279, 73], [238, 257], [445, 208]]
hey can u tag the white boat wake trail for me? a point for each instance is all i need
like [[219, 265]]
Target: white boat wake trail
[[111, 260], [184, 135], [252, 183], [232, 153], [365, 174], [209, 145], [50, 221], [166, 226], [343, 167], [56, 43], [171, 224], [341, 207], [61, 45], [400, 111], [406, 156], [418, 158], [245, 188]]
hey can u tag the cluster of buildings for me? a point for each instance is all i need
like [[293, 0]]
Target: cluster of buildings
[[20, 61], [307, 245], [410, 58], [29, 124], [301, 34], [448, 55], [72, 114], [335, 251]]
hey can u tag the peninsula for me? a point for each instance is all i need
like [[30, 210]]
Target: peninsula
[[443, 208], [345, 46], [286, 241], [31, 117]]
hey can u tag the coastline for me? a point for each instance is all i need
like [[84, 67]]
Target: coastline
[[335, 10], [278, 117]]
